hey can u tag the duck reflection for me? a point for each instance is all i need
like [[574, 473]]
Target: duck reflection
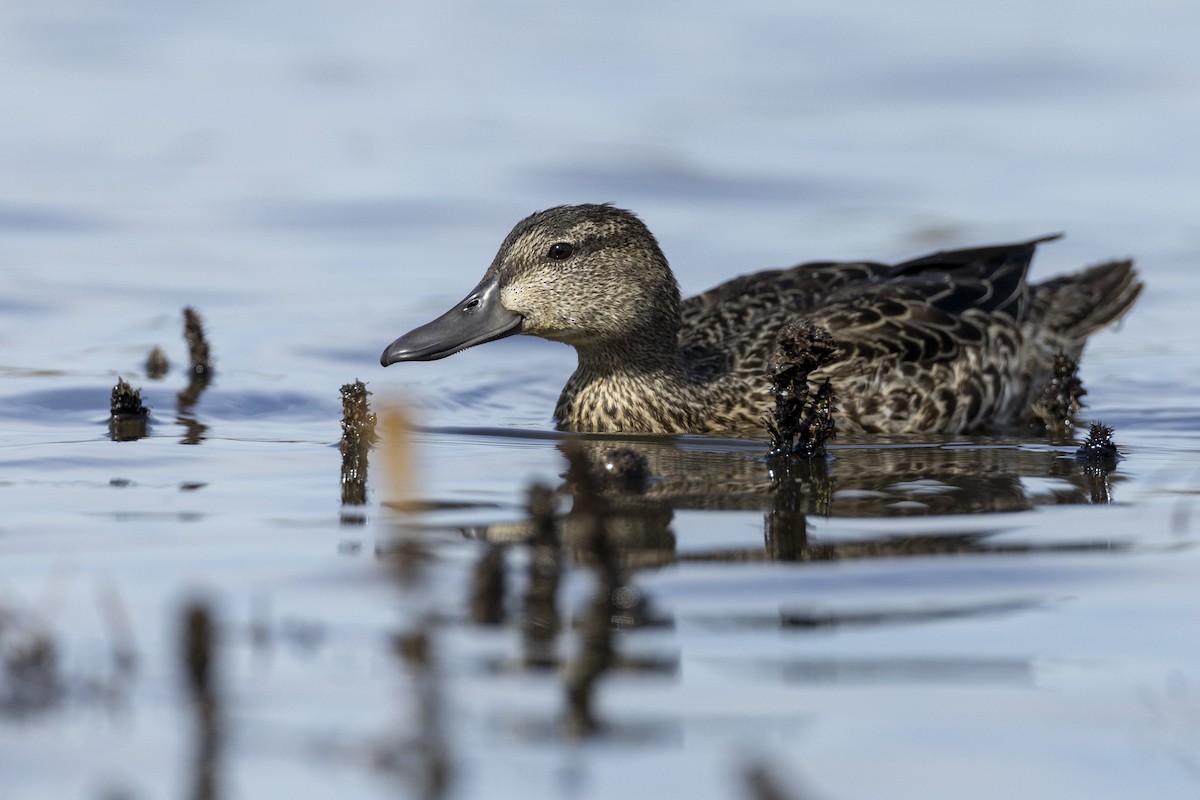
[[621, 496], [644, 481]]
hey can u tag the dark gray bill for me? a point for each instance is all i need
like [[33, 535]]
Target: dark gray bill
[[477, 319]]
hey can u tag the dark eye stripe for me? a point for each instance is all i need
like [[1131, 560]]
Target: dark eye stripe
[[560, 251]]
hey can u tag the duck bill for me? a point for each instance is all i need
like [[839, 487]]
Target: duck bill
[[478, 318]]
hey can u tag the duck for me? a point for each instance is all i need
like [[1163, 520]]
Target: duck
[[951, 342]]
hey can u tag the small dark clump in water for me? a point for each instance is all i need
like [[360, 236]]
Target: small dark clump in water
[[127, 401], [1097, 457], [128, 415], [193, 333], [1061, 399], [1098, 449], [802, 422], [358, 434], [157, 364]]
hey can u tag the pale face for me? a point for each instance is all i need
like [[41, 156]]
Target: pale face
[[584, 281], [590, 276]]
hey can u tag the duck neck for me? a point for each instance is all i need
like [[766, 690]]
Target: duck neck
[[639, 389], [645, 357]]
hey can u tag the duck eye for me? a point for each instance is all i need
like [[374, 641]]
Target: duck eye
[[560, 251]]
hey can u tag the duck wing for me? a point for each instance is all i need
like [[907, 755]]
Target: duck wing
[[926, 308], [929, 308], [918, 319], [746, 310]]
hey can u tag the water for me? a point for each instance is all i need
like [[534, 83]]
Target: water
[[962, 619]]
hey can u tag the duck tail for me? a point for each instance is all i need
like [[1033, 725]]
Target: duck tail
[[1077, 305]]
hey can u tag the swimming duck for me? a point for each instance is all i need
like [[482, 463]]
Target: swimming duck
[[950, 342]]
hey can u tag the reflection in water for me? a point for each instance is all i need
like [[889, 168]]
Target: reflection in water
[[31, 678], [194, 429], [615, 602], [785, 530], [860, 481], [599, 535], [488, 588], [812, 620], [807, 620], [545, 566], [198, 646], [422, 754], [426, 758], [623, 494], [761, 783], [1012, 671]]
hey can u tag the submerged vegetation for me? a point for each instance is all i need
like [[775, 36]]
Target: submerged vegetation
[[1098, 448], [1097, 457], [803, 421], [358, 434], [128, 416], [200, 372], [199, 359], [157, 364], [1060, 401]]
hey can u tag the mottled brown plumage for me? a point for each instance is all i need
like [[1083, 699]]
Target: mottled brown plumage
[[951, 342]]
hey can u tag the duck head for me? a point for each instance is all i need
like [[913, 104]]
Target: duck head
[[591, 276]]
